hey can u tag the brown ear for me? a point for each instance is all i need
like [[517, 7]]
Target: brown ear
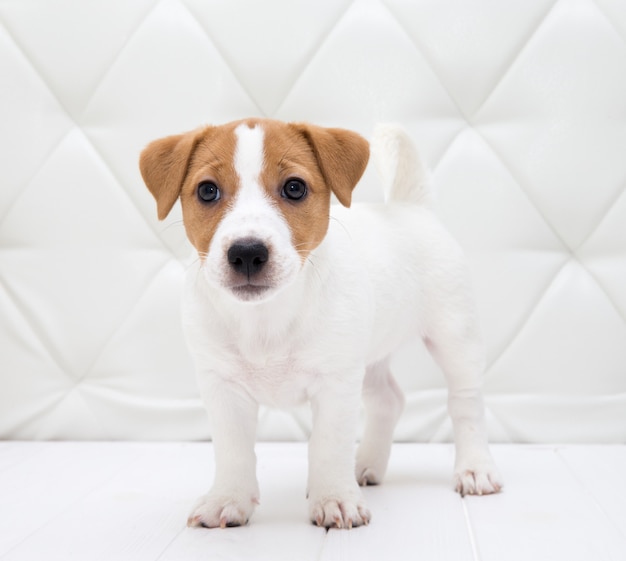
[[163, 164], [342, 156]]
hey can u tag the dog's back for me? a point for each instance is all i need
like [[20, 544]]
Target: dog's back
[[401, 245]]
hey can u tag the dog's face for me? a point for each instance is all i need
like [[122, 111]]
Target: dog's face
[[255, 196]]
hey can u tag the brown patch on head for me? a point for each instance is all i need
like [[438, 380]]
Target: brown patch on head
[[174, 166], [213, 160], [289, 156], [327, 160]]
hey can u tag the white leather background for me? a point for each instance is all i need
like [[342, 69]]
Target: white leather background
[[519, 108]]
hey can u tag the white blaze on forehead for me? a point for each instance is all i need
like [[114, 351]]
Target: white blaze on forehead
[[249, 154], [254, 213]]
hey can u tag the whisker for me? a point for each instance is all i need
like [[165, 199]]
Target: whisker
[[191, 264], [200, 255], [309, 258], [172, 224], [343, 226], [339, 222], [315, 269]]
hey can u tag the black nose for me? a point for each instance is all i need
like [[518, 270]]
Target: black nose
[[248, 257]]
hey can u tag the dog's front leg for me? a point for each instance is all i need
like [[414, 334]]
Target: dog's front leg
[[335, 499], [235, 491]]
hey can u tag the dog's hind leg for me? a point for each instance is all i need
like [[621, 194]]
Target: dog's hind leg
[[455, 345], [384, 401]]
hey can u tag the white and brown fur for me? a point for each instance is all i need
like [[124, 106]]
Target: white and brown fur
[[292, 300]]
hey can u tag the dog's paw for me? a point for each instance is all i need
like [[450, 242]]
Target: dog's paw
[[371, 465], [367, 476], [479, 479], [222, 511], [339, 511]]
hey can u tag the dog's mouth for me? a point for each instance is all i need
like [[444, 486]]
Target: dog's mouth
[[250, 292]]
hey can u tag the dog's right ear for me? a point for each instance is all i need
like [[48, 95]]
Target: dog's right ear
[[163, 164]]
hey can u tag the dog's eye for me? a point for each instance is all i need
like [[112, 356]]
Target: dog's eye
[[208, 192], [294, 189]]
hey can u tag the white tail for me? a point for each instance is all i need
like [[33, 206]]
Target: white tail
[[403, 175]]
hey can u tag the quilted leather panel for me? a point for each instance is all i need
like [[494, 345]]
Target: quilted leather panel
[[520, 109]]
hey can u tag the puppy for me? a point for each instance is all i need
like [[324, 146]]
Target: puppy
[[291, 300]]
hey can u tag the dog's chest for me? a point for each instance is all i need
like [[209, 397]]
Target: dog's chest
[[279, 385], [275, 361], [274, 372]]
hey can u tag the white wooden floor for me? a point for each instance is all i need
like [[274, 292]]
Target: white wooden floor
[[129, 501]]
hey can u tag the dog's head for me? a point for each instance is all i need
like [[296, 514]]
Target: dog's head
[[255, 195]]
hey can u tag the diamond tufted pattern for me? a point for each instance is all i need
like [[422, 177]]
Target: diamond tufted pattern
[[519, 108]]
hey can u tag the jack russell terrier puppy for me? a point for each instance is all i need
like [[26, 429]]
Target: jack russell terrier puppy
[[291, 300]]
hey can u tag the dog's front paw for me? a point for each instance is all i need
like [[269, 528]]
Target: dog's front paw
[[479, 478], [339, 510], [219, 510]]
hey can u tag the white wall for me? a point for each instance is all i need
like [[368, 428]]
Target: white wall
[[519, 107]]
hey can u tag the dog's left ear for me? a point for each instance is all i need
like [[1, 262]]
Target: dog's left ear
[[163, 164], [342, 156]]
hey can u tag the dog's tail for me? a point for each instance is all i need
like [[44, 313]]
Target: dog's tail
[[404, 176]]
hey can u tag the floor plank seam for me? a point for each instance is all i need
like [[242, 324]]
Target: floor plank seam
[[470, 532], [323, 546], [590, 494], [169, 544]]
